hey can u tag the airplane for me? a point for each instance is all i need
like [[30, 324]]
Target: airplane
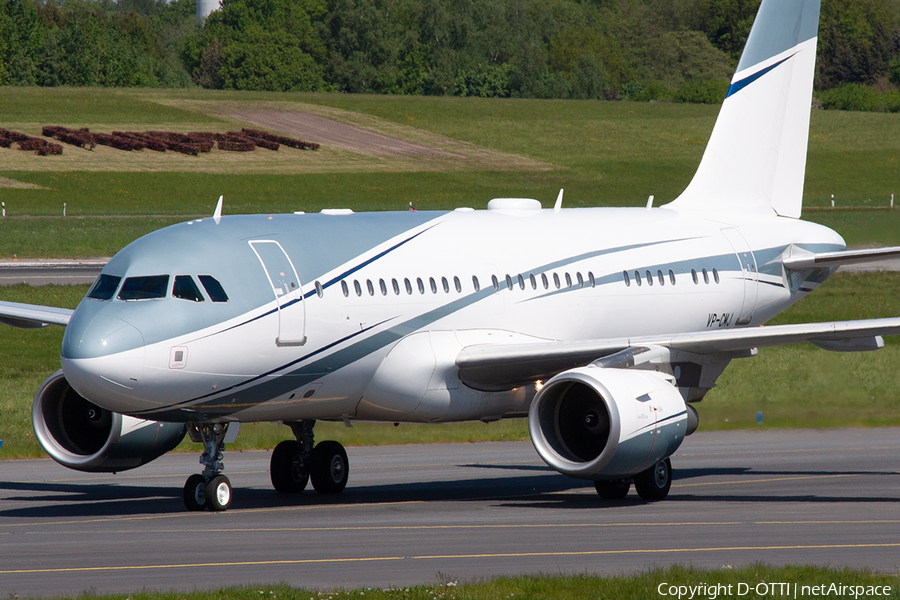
[[602, 326]]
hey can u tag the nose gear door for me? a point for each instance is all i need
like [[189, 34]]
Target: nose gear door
[[287, 290]]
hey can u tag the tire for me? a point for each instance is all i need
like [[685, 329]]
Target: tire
[[218, 493], [286, 469], [329, 468], [195, 493], [613, 489], [654, 483]]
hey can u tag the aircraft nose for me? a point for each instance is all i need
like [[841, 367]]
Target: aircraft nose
[[101, 336], [103, 359]]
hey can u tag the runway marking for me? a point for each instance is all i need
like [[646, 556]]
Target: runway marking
[[312, 561], [195, 515], [798, 450], [730, 482], [391, 528]]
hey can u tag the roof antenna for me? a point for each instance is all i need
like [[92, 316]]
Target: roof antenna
[[558, 206], [649, 202], [217, 216]]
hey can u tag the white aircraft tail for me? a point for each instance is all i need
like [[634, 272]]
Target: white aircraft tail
[[756, 157]]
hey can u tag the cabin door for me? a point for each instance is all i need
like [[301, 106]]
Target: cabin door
[[287, 290]]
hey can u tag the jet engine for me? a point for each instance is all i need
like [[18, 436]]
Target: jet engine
[[82, 436], [602, 423]]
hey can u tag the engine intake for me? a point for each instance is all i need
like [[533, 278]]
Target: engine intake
[[596, 423], [80, 435]]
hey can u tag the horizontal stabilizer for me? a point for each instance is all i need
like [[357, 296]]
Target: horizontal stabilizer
[[497, 367], [836, 259], [30, 316]]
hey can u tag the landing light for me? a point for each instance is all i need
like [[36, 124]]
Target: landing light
[[538, 385]]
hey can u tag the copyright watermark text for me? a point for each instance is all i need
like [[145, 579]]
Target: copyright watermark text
[[703, 591]]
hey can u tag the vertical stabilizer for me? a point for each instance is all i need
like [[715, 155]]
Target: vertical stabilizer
[[756, 157]]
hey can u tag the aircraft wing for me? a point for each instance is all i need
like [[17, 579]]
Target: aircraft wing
[[808, 260], [498, 367], [30, 316]]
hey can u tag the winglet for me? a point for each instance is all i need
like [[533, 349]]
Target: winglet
[[217, 215], [558, 206]]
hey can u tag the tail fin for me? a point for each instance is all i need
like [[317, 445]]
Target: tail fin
[[756, 157]]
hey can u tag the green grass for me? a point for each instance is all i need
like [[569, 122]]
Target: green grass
[[640, 586], [793, 386]]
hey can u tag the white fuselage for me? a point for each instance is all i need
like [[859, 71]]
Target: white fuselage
[[381, 330]]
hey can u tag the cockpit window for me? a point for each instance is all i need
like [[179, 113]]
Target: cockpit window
[[144, 288], [186, 289], [213, 288], [105, 287]]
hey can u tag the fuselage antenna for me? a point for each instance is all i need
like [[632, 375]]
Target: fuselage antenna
[[217, 216], [558, 206]]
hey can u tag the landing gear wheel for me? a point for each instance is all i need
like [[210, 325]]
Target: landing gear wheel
[[613, 489], [218, 493], [195, 493], [654, 483], [287, 470], [328, 468]]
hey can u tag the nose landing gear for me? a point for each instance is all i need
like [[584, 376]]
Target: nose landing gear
[[295, 463], [210, 489]]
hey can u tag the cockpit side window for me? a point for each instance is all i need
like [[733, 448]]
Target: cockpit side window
[[186, 289], [105, 287], [213, 288], [144, 288]]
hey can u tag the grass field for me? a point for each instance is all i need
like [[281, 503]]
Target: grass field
[[641, 586]]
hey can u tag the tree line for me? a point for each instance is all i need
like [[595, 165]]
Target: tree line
[[678, 50]]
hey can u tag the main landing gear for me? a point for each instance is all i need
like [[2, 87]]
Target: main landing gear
[[295, 462], [210, 489], [650, 484]]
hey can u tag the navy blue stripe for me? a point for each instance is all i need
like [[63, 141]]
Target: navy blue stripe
[[739, 85]]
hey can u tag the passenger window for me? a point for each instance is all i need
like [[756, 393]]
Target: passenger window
[[420, 285], [509, 284], [627, 278], [186, 289], [495, 282], [716, 275], [659, 275], [568, 280], [396, 287], [370, 287], [521, 282], [433, 285], [475, 283], [445, 284], [671, 277], [592, 280], [345, 289], [457, 284], [320, 291], [556, 280], [408, 285], [694, 276], [533, 281], [213, 288], [357, 287], [580, 279], [705, 276], [383, 287], [544, 281], [144, 288], [105, 287], [637, 277], [649, 278]]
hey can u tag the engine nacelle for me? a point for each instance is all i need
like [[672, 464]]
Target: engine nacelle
[[596, 423], [82, 436]]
